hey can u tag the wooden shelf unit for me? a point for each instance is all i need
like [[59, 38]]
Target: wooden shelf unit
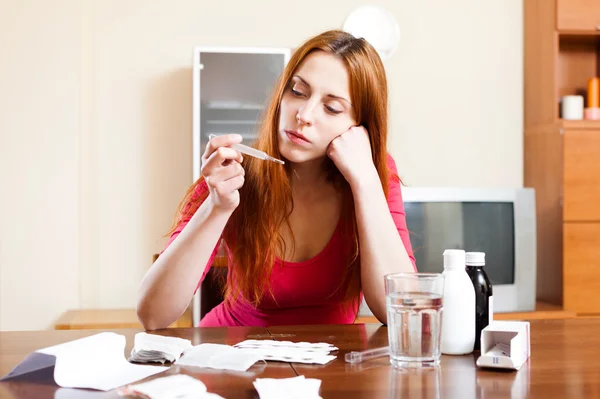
[[577, 15], [562, 157], [107, 319]]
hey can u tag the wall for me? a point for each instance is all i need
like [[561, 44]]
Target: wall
[[40, 115], [96, 118]]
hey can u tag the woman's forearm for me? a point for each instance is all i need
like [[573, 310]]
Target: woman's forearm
[[381, 248], [168, 286]]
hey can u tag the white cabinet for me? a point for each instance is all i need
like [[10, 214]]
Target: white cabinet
[[231, 86]]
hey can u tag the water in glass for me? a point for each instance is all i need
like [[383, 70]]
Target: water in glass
[[414, 323]]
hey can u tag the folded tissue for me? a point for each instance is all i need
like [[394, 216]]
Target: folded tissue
[[151, 348]]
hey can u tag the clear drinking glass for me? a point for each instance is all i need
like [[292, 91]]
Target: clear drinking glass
[[414, 315]]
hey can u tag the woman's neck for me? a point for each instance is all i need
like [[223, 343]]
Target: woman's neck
[[310, 174]]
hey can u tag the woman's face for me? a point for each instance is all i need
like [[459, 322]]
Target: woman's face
[[315, 108]]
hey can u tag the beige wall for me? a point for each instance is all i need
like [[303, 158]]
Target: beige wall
[[40, 115], [95, 124]]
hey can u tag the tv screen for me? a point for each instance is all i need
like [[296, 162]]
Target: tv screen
[[473, 226]]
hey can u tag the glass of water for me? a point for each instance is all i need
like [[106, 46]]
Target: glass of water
[[414, 316]]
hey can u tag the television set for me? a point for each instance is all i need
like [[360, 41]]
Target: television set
[[498, 221]]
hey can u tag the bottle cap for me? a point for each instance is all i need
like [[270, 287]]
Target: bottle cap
[[454, 259], [475, 259]]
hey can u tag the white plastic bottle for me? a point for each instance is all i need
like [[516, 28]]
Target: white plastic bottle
[[458, 320]]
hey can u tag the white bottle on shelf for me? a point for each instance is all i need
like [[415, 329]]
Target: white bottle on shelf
[[458, 319]]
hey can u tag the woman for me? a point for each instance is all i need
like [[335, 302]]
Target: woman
[[305, 240]]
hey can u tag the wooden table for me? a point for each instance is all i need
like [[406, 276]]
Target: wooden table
[[15, 346], [565, 363]]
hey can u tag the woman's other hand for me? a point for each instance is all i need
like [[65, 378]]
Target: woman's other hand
[[351, 153]]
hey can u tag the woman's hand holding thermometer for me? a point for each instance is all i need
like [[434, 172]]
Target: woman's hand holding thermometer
[[223, 172]]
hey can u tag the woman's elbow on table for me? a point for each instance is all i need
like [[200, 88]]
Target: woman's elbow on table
[[148, 316]]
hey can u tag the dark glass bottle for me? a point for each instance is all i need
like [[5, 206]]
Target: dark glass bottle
[[484, 299]]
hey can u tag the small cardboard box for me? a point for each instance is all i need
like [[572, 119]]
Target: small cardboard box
[[511, 335]]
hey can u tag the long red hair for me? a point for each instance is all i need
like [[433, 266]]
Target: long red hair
[[252, 234]]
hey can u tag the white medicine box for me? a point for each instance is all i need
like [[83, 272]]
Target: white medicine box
[[505, 344]]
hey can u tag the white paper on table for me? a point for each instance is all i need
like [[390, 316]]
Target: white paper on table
[[75, 393], [95, 362], [177, 386], [217, 356], [290, 388], [293, 352], [290, 355], [269, 343]]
